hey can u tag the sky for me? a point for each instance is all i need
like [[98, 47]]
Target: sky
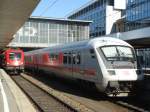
[[57, 8]]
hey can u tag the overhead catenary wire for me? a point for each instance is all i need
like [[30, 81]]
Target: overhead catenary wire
[[49, 6]]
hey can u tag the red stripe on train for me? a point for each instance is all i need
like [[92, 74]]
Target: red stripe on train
[[89, 71]]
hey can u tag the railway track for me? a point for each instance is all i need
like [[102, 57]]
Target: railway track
[[43, 101], [131, 107], [79, 105]]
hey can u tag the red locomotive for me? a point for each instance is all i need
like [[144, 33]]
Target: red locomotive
[[12, 60]]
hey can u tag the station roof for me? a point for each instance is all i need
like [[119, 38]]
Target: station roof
[[59, 19], [139, 38], [13, 14]]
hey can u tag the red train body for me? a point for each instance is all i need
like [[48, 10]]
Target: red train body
[[12, 60]]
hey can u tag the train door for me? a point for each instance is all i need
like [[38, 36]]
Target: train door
[[69, 65], [78, 64], [35, 59]]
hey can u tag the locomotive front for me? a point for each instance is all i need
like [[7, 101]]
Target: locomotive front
[[119, 69], [15, 61]]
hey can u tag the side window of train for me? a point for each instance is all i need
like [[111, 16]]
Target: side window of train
[[53, 57], [65, 58], [27, 59], [30, 59], [92, 53], [69, 58], [76, 58]]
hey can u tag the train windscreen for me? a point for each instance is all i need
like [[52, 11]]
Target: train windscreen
[[118, 53], [15, 56]]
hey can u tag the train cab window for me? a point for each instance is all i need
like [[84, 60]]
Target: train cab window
[[15, 55], [118, 53]]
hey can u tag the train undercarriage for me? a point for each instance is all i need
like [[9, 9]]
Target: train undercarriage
[[120, 88]]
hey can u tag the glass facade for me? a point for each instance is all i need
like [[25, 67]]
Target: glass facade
[[143, 57], [51, 32], [137, 14], [95, 12]]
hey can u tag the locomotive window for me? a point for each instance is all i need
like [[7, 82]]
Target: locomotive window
[[125, 51], [15, 55], [118, 53], [110, 52], [2, 56]]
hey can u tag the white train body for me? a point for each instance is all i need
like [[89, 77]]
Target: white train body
[[108, 63]]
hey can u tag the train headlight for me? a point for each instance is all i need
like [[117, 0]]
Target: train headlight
[[111, 72]]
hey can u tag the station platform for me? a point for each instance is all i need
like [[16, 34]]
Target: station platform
[[12, 99]]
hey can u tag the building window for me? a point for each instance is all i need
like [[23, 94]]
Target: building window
[[111, 2]]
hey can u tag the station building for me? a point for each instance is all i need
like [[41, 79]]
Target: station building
[[138, 20], [125, 19], [103, 13], [137, 14], [40, 32]]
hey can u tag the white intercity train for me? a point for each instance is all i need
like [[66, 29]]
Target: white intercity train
[[109, 64]]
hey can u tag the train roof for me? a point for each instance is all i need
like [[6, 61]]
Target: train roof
[[103, 41], [96, 42], [11, 50]]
